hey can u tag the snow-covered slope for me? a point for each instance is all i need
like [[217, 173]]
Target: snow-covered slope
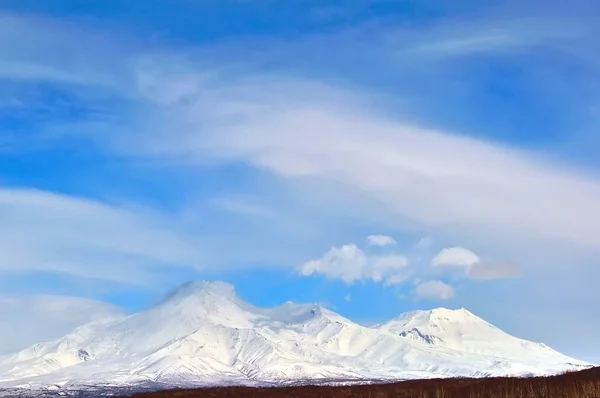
[[202, 333], [462, 331]]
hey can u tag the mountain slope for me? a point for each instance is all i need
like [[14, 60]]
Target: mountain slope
[[202, 333], [463, 331]]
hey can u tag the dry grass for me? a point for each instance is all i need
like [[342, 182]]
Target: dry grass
[[582, 384]]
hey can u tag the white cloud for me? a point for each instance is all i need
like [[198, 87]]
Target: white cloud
[[43, 231], [339, 141], [455, 256], [434, 290], [350, 263], [381, 240], [301, 129], [348, 298], [37, 56], [473, 266], [28, 320], [298, 128], [466, 45]]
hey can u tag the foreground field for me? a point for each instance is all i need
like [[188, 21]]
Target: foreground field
[[582, 384]]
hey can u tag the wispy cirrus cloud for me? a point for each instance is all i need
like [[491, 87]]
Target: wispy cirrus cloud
[[311, 130], [44, 231], [348, 148], [35, 56], [306, 129], [492, 34], [273, 123], [381, 240]]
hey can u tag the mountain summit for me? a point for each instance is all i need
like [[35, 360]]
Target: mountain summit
[[202, 333], [443, 326], [461, 330]]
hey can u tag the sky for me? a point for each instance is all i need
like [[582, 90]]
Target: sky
[[373, 156]]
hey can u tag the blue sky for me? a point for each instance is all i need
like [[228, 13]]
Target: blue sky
[[372, 156]]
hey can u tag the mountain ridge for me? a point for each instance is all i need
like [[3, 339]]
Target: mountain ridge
[[202, 333]]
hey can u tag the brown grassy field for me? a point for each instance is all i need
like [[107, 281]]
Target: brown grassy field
[[582, 384]]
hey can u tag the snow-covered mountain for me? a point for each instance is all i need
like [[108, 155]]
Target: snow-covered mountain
[[202, 333]]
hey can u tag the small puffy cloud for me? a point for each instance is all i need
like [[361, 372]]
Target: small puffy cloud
[[381, 240], [349, 263], [455, 257], [473, 265], [348, 298], [434, 290], [493, 270], [28, 320]]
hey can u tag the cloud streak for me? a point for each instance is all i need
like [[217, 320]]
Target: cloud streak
[[305, 130], [309, 130], [298, 129], [381, 240], [43, 231], [348, 150]]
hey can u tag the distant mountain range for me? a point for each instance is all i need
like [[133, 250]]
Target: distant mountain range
[[203, 334]]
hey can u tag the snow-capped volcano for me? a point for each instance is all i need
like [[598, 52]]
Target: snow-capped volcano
[[202, 333], [463, 331]]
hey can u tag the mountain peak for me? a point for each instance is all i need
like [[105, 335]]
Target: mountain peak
[[458, 329], [457, 314], [202, 331], [439, 325], [436, 314]]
